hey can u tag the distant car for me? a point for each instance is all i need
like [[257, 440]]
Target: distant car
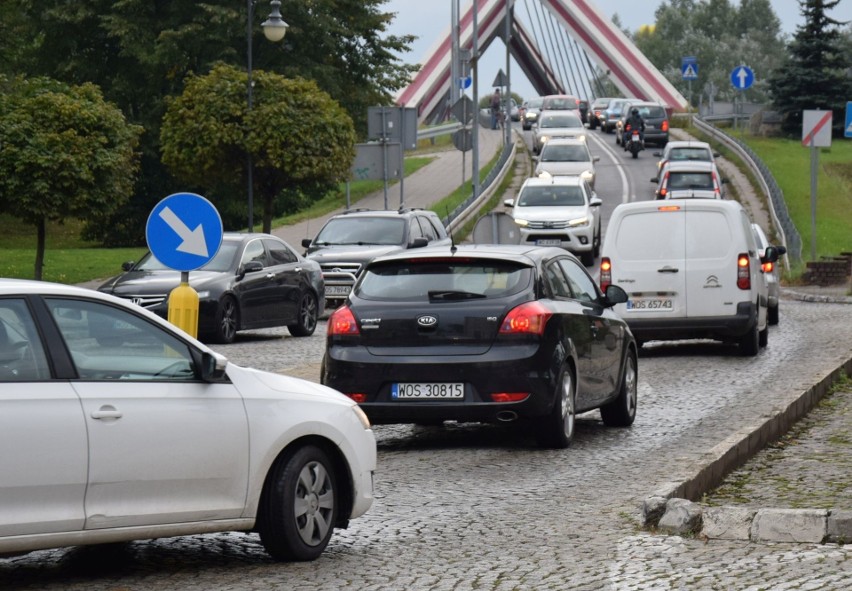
[[583, 107], [686, 150], [566, 156], [556, 124], [254, 281], [559, 211], [162, 436], [348, 241], [770, 274], [532, 108], [483, 333], [514, 111], [561, 102], [656, 122], [596, 111], [684, 179], [612, 114]]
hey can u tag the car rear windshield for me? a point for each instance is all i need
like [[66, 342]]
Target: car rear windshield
[[554, 195], [561, 121], [450, 279], [691, 154], [556, 153], [652, 112], [362, 230], [691, 180]]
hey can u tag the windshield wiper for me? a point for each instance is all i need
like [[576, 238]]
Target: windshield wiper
[[454, 295]]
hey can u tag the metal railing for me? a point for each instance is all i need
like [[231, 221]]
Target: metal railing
[[775, 197]]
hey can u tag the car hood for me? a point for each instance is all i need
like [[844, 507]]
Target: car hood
[[244, 377], [151, 282], [549, 213], [350, 252], [562, 168]]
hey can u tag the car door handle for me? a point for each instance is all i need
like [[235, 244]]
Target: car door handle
[[107, 412], [668, 270]]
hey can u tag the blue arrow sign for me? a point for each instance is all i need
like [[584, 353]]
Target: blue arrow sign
[[848, 127], [742, 77], [689, 68], [184, 231]]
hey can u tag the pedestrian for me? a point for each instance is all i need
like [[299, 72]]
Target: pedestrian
[[495, 108]]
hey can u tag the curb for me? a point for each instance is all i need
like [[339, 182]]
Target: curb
[[672, 509]]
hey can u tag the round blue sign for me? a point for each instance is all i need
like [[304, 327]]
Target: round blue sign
[[184, 231], [742, 77]]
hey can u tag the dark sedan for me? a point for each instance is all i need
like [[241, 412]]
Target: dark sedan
[[483, 333], [254, 281]]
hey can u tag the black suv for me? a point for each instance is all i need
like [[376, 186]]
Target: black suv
[[350, 240]]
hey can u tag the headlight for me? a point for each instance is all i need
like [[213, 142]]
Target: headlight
[[587, 175], [204, 295], [362, 416], [582, 136], [522, 223], [543, 139], [579, 222]]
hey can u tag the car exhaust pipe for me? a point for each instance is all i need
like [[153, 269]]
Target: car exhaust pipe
[[507, 416]]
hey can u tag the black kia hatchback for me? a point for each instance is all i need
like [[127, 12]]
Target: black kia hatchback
[[483, 333]]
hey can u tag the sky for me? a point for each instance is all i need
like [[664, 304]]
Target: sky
[[430, 20]]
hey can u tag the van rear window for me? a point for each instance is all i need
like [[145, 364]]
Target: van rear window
[[708, 235], [652, 236]]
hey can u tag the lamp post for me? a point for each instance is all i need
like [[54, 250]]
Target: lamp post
[[274, 28]]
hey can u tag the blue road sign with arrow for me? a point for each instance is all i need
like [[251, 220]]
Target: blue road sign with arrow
[[184, 231], [689, 68], [742, 77]]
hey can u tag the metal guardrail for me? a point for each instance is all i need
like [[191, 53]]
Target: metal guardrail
[[775, 197], [438, 130]]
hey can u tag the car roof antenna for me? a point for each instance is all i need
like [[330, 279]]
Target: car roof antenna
[[453, 248]]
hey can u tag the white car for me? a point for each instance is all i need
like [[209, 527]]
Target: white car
[[770, 274], [690, 150], [556, 124], [559, 211], [567, 157], [117, 426], [689, 179]]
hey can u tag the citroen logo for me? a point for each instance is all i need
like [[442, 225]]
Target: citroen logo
[[427, 321]]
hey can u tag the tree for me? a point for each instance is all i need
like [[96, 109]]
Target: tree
[[815, 74], [301, 142], [64, 153]]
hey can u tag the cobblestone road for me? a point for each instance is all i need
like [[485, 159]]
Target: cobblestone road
[[471, 507]]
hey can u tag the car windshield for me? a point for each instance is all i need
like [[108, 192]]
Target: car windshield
[[561, 121], [561, 103], [691, 180], [362, 230], [551, 195], [220, 263], [534, 103], [450, 279], [556, 153], [690, 154]]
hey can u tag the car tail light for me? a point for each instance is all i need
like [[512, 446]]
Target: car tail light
[[509, 396], [606, 273], [716, 186], [665, 125], [768, 267], [358, 397], [664, 185], [743, 271], [528, 318], [342, 322], [627, 127]]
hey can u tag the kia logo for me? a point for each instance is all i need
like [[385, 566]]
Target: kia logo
[[427, 321]]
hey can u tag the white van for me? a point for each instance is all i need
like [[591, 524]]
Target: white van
[[691, 270]]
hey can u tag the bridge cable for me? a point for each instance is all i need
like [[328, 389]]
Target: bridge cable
[[553, 64], [555, 27]]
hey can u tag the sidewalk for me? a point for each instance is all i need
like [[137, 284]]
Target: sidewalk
[[428, 185]]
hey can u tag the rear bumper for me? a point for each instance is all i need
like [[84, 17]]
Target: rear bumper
[[720, 328]]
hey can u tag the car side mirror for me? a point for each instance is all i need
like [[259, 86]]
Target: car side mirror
[[595, 201], [418, 243], [306, 242], [213, 367], [724, 181], [127, 265], [509, 202], [716, 155], [536, 158], [782, 250], [655, 180], [770, 255], [250, 267], [596, 159], [614, 295]]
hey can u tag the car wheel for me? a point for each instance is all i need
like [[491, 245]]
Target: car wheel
[[749, 343], [587, 258], [299, 505], [557, 429], [622, 411], [308, 313], [596, 249], [763, 336], [772, 315], [227, 321]]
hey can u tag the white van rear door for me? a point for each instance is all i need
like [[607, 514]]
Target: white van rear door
[[648, 263], [711, 253]]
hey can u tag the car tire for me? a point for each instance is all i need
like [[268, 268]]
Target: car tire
[[227, 321], [298, 508], [749, 343], [587, 258], [621, 412], [308, 314], [596, 241], [556, 430], [772, 316], [763, 336]]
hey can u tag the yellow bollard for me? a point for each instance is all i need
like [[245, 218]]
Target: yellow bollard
[[183, 307]]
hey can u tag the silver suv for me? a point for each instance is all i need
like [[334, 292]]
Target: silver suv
[[350, 240]]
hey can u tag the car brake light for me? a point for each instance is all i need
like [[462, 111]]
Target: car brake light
[[528, 318], [743, 271], [358, 397], [342, 322], [663, 185], [716, 188], [665, 125], [606, 273], [768, 267], [509, 396], [669, 208]]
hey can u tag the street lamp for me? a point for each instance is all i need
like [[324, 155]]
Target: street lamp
[[274, 28]]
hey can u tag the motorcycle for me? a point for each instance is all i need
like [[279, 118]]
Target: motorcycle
[[634, 145]]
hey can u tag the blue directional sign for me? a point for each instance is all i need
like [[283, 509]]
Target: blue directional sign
[[742, 77], [848, 126], [184, 231], [689, 68]]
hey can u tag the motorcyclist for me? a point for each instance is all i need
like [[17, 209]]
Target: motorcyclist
[[634, 121]]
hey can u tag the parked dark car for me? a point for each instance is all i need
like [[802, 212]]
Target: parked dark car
[[255, 280], [596, 113], [483, 333], [350, 240]]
